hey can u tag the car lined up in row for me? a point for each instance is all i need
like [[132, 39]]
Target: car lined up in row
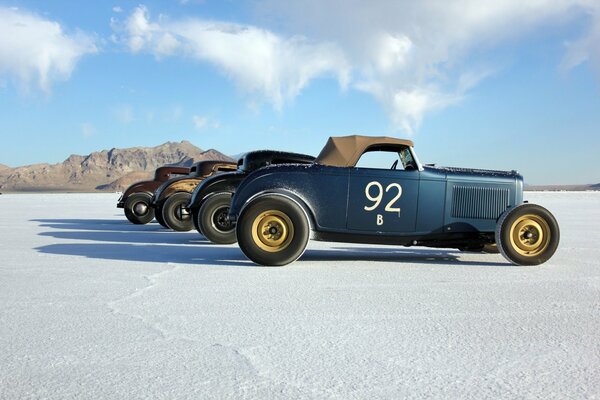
[[272, 202]]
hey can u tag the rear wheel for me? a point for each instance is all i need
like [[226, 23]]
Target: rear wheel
[[138, 210], [212, 219], [174, 213], [272, 231], [527, 234]]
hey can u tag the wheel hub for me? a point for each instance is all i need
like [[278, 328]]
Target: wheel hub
[[140, 209], [272, 231], [220, 219], [182, 213], [530, 235]]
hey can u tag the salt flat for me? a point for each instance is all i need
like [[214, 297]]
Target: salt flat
[[93, 307]]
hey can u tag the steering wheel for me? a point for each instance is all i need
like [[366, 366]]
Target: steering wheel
[[394, 165]]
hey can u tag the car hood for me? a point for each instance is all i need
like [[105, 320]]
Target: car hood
[[470, 171]]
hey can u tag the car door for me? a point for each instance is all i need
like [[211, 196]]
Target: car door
[[382, 200]]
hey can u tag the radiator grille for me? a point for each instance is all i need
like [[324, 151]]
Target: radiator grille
[[478, 202]]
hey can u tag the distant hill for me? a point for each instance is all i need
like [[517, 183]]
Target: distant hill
[[567, 188], [109, 170]]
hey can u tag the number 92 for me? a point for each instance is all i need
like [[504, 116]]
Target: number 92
[[379, 196]]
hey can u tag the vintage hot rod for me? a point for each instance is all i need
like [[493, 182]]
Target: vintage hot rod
[[339, 198], [170, 199], [135, 200], [210, 200]]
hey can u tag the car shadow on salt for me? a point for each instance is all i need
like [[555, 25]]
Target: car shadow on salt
[[98, 225], [394, 254], [115, 231], [211, 255]]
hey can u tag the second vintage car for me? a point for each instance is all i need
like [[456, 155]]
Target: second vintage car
[[171, 198], [210, 200], [350, 195]]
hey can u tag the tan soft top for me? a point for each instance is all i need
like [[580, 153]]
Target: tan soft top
[[344, 151]]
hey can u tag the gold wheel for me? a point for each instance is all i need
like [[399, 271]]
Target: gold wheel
[[530, 235], [272, 231]]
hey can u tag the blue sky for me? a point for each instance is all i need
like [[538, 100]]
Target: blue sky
[[508, 85]]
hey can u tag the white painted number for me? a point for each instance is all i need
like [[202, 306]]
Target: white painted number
[[379, 196], [389, 207], [376, 199]]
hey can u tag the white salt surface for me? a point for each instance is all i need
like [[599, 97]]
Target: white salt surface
[[93, 307]]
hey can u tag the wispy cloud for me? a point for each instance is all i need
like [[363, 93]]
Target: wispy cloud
[[201, 122], [123, 113], [415, 57], [259, 61], [35, 51], [87, 130], [412, 57]]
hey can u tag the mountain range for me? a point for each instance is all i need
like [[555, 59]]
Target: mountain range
[[106, 170]]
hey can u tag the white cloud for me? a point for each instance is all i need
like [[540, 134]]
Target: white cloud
[[87, 130], [117, 9], [123, 113], [202, 122], [418, 56], [37, 51], [199, 122], [412, 56], [257, 60]]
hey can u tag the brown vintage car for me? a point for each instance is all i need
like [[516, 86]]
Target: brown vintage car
[[135, 200], [171, 198]]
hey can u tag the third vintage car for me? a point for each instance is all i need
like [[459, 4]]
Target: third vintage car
[[351, 194], [170, 199]]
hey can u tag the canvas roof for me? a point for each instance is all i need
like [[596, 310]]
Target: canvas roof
[[344, 151]]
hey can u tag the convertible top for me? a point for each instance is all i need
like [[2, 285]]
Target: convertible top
[[344, 151]]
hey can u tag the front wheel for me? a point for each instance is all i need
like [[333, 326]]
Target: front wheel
[[138, 210], [272, 231], [212, 219], [174, 213], [527, 234]]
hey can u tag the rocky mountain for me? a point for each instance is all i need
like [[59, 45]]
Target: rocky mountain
[[109, 170]]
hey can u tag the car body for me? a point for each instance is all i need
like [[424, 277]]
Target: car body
[[277, 207], [209, 204], [170, 199], [135, 200]]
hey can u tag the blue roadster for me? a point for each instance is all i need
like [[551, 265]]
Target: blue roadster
[[348, 195]]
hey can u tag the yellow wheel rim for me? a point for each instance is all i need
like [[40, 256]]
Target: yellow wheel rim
[[272, 231], [530, 235]]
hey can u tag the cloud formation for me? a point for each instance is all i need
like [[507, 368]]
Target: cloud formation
[[36, 52], [257, 60], [413, 57]]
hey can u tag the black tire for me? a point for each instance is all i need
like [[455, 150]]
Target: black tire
[[527, 234], [138, 210], [159, 218], [212, 219], [287, 234], [174, 214]]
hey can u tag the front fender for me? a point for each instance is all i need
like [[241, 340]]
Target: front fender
[[185, 185], [302, 203], [225, 182]]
